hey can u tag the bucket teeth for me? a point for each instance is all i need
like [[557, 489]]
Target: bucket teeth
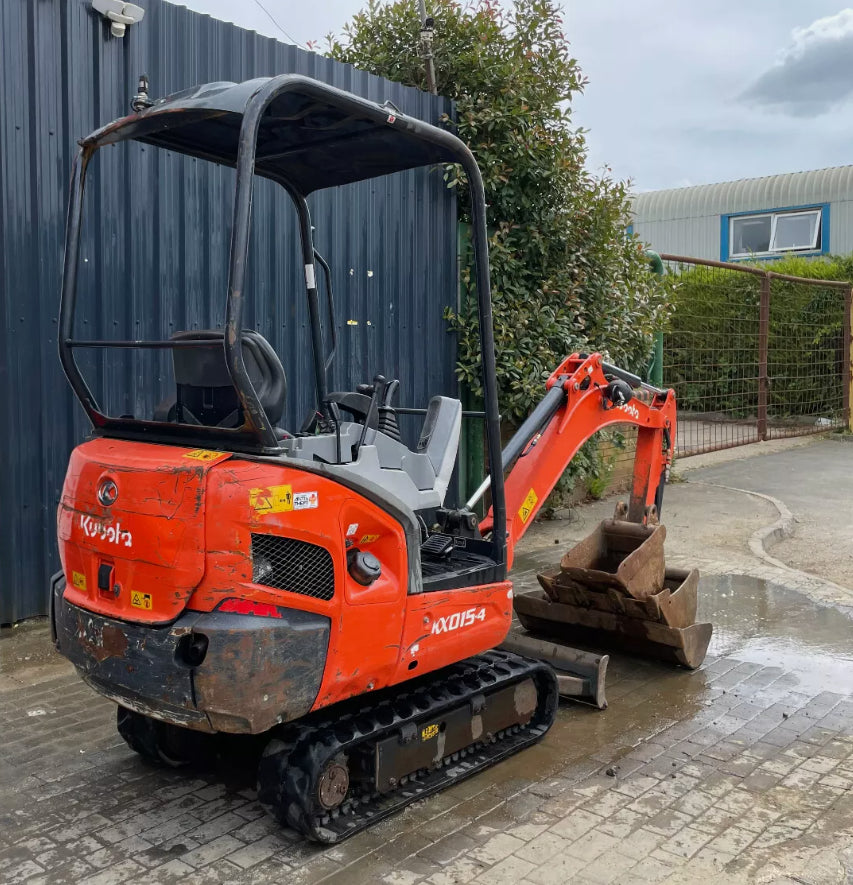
[[674, 605], [613, 590]]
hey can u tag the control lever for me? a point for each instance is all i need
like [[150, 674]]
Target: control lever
[[378, 388], [387, 415]]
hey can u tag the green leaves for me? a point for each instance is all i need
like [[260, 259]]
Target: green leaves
[[565, 274]]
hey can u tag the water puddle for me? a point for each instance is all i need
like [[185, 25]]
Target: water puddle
[[763, 623], [775, 626], [760, 622]]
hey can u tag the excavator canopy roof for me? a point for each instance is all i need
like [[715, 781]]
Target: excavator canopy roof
[[310, 135]]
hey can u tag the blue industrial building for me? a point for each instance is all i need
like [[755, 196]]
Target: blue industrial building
[[801, 213]]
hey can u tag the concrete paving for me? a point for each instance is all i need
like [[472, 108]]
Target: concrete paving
[[739, 772], [779, 511], [816, 483]]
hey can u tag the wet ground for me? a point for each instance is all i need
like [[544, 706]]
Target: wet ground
[[815, 482], [25, 655], [775, 626], [741, 771]]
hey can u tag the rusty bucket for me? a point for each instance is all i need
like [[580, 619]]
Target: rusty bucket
[[620, 555], [613, 591]]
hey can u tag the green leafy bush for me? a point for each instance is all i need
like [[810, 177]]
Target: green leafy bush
[[565, 274]]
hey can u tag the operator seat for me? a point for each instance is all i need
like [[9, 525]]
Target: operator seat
[[205, 392], [414, 479]]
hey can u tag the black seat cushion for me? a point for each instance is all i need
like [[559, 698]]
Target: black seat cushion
[[204, 384]]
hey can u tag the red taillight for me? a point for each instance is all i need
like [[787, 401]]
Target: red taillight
[[247, 607]]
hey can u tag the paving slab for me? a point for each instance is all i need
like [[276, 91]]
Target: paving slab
[[741, 771]]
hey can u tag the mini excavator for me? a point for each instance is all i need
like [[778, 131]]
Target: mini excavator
[[224, 574]]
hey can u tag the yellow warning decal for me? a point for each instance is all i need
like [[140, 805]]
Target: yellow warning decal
[[78, 579], [429, 732], [527, 507], [141, 600], [203, 455], [368, 539], [275, 499]]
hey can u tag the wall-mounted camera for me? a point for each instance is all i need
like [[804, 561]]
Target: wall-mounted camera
[[119, 14]]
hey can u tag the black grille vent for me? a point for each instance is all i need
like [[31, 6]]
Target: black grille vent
[[297, 566]]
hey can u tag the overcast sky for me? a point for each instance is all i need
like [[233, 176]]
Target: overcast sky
[[679, 92]]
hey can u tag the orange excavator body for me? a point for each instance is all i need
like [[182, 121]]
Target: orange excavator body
[[187, 525], [221, 574], [179, 539]]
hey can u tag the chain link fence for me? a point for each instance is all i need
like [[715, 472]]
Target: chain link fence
[[751, 354], [754, 355]]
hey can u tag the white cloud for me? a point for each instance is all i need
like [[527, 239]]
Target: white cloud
[[832, 27], [661, 106], [814, 74]]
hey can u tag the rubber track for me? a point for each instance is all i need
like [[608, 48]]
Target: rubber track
[[290, 769]]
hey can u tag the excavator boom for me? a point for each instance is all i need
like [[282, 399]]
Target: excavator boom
[[612, 589], [584, 395]]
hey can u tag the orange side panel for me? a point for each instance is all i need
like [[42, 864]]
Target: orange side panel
[[147, 546], [366, 622], [446, 626]]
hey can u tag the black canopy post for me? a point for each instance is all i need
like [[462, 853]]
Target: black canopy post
[[487, 351], [252, 409], [68, 298], [307, 241]]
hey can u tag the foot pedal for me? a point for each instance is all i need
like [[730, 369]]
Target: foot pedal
[[438, 544]]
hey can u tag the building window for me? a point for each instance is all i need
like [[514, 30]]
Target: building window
[[750, 235], [796, 230], [774, 233]]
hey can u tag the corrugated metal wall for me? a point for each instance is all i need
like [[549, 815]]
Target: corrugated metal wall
[[686, 220], [695, 237], [154, 252]]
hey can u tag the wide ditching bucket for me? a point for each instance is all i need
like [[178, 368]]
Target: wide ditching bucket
[[613, 591]]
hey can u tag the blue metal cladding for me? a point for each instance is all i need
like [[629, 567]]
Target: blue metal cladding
[[155, 241]]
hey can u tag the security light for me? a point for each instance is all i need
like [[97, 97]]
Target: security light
[[119, 14]]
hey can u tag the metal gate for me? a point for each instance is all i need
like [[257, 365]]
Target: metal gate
[[755, 355]]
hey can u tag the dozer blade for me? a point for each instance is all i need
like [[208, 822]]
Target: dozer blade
[[621, 555], [580, 674], [682, 645]]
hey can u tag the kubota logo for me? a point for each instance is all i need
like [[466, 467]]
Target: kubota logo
[[112, 534], [631, 409], [107, 492]]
